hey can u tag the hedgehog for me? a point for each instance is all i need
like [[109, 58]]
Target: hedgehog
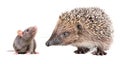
[[85, 28]]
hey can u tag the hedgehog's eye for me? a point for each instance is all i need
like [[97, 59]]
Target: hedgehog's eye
[[65, 34]]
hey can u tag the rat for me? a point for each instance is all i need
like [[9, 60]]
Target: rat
[[25, 42]]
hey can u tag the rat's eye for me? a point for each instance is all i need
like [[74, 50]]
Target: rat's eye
[[27, 30], [65, 34]]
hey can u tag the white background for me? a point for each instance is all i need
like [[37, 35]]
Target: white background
[[20, 14]]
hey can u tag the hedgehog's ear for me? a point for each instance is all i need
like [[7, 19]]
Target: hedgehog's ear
[[79, 27], [20, 33]]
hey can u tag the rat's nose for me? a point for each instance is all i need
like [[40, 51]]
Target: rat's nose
[[35, 27]]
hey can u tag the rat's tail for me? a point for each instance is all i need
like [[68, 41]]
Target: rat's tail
[[10, 51]]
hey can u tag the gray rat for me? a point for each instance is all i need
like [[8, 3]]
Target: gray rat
[[25, 42]]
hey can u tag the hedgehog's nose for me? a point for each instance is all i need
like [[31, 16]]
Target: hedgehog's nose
[[54, 41], [48, 43]]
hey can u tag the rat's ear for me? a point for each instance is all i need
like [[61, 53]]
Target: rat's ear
[[20, 33]]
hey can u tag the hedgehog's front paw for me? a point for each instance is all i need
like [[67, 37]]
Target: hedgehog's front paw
[[99, 52], [77, 52], [81, 50], [21, 52]]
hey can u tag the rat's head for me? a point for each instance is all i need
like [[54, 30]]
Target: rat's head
[[28, 33], [65, 32]]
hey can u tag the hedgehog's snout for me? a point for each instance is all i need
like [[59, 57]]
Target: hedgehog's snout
[[54, 41], [48, 43]]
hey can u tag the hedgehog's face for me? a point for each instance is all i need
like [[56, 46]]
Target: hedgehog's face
[[63, 35]]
